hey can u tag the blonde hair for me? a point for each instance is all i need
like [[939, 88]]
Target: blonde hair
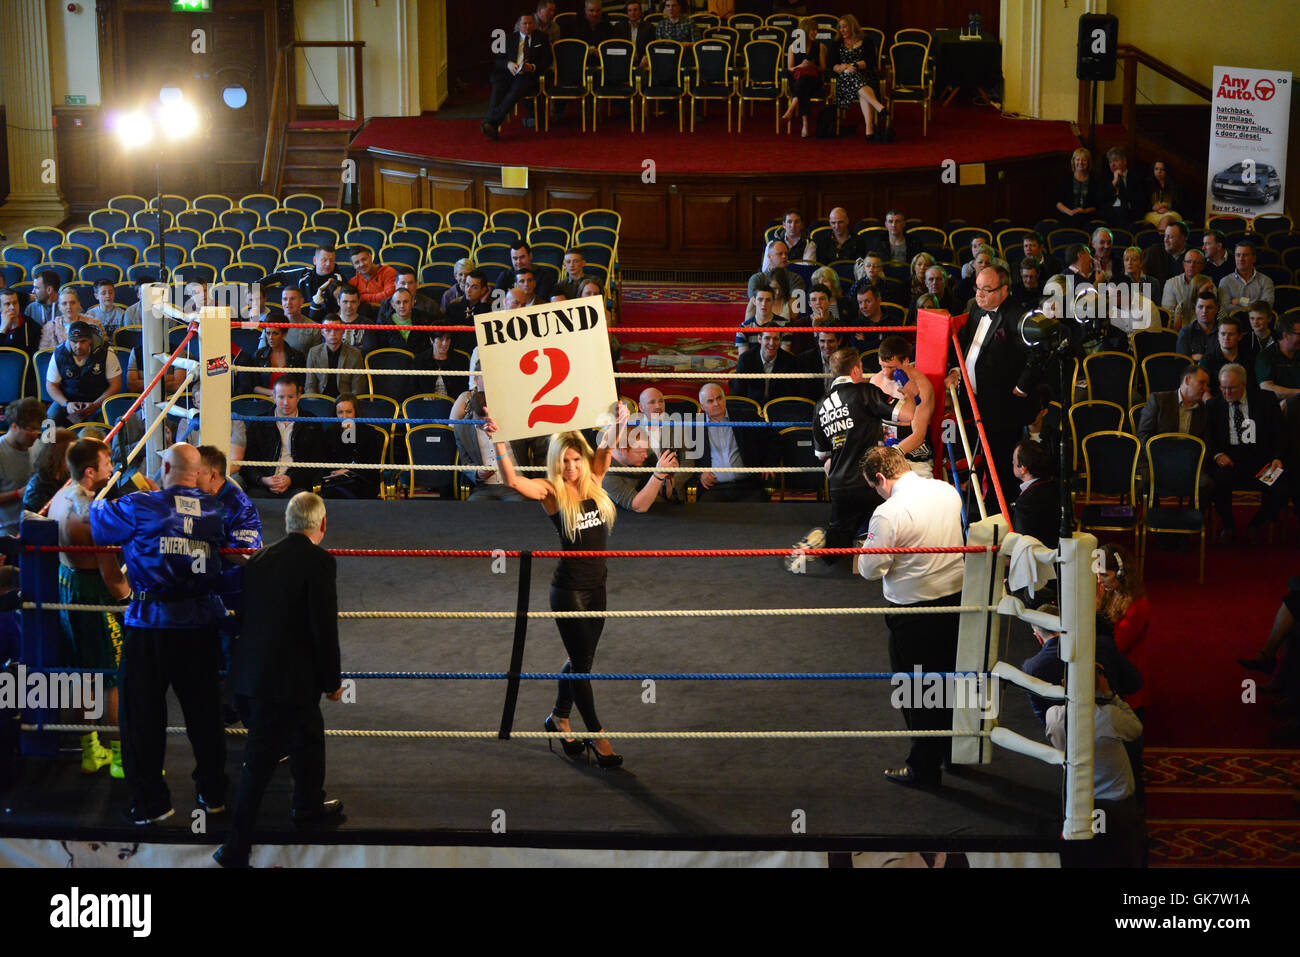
[[854, 27], [1080, 152], [829, 278], [568, 501]]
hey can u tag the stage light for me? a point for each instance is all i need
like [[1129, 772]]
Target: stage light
[[1039, 331], [178, 119], [134, 130]]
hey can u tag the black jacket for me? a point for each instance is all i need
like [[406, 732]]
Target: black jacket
[[644, 34], [879, 242], [811, 361], [1270, 439], [1001, 366], [1037, 512], [538, 53], [288, 648], [754, 444], [752, 361], [306, 444], [1160, 414]]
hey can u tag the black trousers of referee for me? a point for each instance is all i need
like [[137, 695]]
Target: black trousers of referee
[[928, 642], [187, 660], [274, 728], [851, 509]]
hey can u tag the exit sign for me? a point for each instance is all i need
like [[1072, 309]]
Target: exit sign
[[191, 6], [71, 99]]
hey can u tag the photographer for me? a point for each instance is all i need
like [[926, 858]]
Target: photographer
[[320, 286]]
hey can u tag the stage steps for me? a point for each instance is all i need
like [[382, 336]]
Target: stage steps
[[313, 159]]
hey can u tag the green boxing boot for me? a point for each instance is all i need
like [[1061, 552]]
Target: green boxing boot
[[93, 755], [115, 770]]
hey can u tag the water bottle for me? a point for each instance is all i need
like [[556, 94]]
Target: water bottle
[[975, 27]]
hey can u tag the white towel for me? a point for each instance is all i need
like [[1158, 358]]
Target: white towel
[[1030, 564]]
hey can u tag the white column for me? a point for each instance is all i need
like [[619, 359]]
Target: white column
[[25, 60]]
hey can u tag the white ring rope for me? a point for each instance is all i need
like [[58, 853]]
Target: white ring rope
[[629, 735], [649, 613], [407, 466]]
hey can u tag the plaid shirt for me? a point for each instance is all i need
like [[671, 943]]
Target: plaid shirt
[[683, 31]]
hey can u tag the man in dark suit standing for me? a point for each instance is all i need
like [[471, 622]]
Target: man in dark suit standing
[[1246, 436], [768, 358], [1001, 374], [1037, 509], [286, 657], [527, 57]]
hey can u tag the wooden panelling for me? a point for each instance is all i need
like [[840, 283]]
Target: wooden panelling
[[80, 145], [708, 223], [645, 212], [713, 222], [399, 188], [443, 192]]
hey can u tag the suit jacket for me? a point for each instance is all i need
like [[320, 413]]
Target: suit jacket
[[349, 358], [593, 37], [292, 358], [367, 448], [880, 243], [1001, 366], [288, 648], [1037, 512], [644, 34], [538, 51], [1129, 192], [1160, 414], [306, 444], [754, 444], [751, 362], [811, 361], [1270, 439]]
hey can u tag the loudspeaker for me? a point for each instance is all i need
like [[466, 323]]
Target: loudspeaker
[[1098, 36]]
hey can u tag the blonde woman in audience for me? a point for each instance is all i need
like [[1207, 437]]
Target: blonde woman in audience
[[920, 263], [456, 290]]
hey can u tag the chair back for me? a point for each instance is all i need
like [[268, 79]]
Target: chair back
[[665, 63], [431, 445], [214, 203], [571, 62], [466, 217], [260, 203], [422, 217], [291, 220], [908, 60], [790, 408], [1175, 460], [1093, 416], [13, 373], [616, 62], [1163, 371], [762, 60], [1110, 377], [1111, 460]]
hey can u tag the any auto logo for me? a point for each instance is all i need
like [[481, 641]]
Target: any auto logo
[[1264, 89]]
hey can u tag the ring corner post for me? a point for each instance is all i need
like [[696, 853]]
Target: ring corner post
[[155, 306], [1079, 652], [39, 582], [517, 649], [979, 636], [215, 373]]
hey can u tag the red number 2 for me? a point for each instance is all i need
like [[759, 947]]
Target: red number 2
[[559, 359]]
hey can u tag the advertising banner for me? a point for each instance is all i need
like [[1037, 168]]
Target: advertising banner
[[1249, 119]]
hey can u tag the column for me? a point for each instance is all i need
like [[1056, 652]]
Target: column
[[25, 60]]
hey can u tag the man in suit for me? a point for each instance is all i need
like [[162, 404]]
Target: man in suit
[[1164, 260], [283, 442], [1181, 410], [818, 359], [724, 447], [635, 30], [1000, 372], [1119, 200], [592, 27], [1246, 436], [286, 657], [1037, 509], [527, 57], [768, 358], [334, 353]]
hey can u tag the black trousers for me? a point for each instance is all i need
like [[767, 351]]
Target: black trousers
[[1241, 477], [276, 727], [508, 90], [580, 637], [747, 489], [928, 642], [186, 660], [806, 89], [851, 509], [1002, 443]]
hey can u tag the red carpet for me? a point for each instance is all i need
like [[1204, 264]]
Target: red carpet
[[969, 134], [661, 355]]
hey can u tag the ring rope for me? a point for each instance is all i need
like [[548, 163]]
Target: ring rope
[[647, 613], [399, 420], [576, 553], [630, 469], [629, 735], [462, 373], [587, 676], [637, 330]]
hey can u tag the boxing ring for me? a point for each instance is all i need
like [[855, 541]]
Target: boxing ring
[[746, 700]]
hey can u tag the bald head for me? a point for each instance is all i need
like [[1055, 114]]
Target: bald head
[[181, 465], [651, 401]]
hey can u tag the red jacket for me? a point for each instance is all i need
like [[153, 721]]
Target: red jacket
[[1130, 638]]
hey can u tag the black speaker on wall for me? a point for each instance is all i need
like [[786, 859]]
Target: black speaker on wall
[[1098, 37]]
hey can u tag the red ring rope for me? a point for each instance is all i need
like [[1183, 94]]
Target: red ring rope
[[558, 553]]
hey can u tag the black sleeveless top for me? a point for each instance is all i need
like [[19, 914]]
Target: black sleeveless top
[[580, 574]]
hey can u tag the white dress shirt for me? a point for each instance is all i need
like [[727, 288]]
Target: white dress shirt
[[919, 513], [286, 459]]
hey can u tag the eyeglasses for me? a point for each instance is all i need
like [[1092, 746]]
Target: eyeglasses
[[984, 290]]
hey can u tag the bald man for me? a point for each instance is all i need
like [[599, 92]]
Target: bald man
[[841, 242], [666, 435], [170, 541]]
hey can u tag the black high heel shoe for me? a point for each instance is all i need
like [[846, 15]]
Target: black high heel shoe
[[606, 761], [572, 747]]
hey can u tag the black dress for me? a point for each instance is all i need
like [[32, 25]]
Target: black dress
[[579, 585]]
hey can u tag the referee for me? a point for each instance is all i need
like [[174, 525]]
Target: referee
[[917, 513]]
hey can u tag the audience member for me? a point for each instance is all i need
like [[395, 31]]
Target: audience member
[[666, 437], [575, 273], [763, 302], [768, 358], [635, 30], [357, 443], [676, 25], [283, 442], [1246, 438], [1164, 259], [1163, 197], [873, 272], [336, 354], [424, 307], [791, 232], [300, 340], [459, 272], [1262, 317], [476, 301], [630, 447], [82, 375], [1037, 509], [818, 359], [476, 447], [1218, 264], [840, 243], [1230, 348], [107, 313], [25, 419], [19, 332], [349, 301], [856, 84], [724, 448], [1200, 336], [1278, 367], [1178, 410], [1119, 199], [374, 282], [1107, 261], [1033, 247], [320, 286], [591, 26], [437, 358], [895, 244], [276, 354], [1247, 284], [1077, 201], [983, 259], [1178, 295], [515, 76], [55, 333], [49, 470], [44, 305], [806, 62], [521, 257]]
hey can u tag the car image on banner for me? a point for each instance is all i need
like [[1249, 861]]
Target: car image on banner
[[1247, 182], [1250, 116]]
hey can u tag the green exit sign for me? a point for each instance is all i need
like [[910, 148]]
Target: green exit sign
[[191, 6], [74, 99]]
